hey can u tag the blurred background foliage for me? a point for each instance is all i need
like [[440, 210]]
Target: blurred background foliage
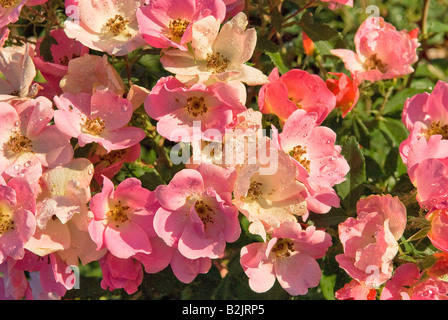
[[369, 135]]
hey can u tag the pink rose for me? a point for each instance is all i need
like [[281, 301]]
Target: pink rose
[[289, 256], [382, 52], [296, 89]]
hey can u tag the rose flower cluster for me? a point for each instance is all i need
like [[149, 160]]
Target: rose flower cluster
[[61, 207]]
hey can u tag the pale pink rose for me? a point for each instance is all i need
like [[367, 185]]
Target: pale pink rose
[[370, 240], [17, 67], [62, 51], [82, 248], [14, 284], [120, 273], [268, 193], [168, 23], [177, 108], [425, 115], [427, 166], [137, 95], [62, 214], [438, 234], [296, 89], [47, 277], [408, 283], [186, 270], [54, 67], [101, 117], [28, 141], [319, 161], [219, 55], [355, 290], [10, 11], [18, 223], [88, 73], [196, 214], [123, 218], [160, 257], [382, 52], [289, 256], [105, 25]]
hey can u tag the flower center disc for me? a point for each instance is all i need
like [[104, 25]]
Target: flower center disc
[[205, 212], [18, 143], [178, 27], [254, 191], [437, 128], [373, 62], [196, 106], [94, 126], [119, 213], [216, 62], [283, 248], [117, 24], [298, 153], [7, 3], [6, 220]]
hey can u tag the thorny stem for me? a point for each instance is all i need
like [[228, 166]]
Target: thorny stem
[[42, 16], [386, 99], [292, 15]]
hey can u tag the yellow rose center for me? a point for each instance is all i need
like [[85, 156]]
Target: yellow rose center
[[254, 191], [178, 27], [94, 126], [205, 212], [283, 248], [196, 106], [7, 3], [373, 62], [437, 128], [118, 214], [18, 143], [299, 154], [216, 62], [6, 219], [117, 24]]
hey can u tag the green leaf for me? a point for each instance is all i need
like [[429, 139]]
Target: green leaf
[[323, 36], [149, 177], [353, 187], [264, 44], [276, 58], [45, 47], [327, 284], [332, 218], [277, 19], [394, 130]]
